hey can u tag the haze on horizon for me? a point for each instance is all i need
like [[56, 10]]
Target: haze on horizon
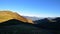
[[38, 8]]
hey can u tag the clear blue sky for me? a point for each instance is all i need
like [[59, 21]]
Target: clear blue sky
[[41, 8]]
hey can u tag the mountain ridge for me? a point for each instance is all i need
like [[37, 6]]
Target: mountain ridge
[[7, 15]]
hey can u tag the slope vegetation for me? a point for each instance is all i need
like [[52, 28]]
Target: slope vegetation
[[8, 15]]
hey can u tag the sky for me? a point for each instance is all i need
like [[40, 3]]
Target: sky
[[38, 8]]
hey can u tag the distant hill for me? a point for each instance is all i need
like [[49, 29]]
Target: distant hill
[[53, 24], [44, 20]]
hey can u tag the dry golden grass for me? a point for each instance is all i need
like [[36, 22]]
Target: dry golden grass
[[7, 15]]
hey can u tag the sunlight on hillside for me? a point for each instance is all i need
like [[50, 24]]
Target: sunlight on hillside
[[7, 15]]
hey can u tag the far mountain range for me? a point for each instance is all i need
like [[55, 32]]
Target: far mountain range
[[33, 18]]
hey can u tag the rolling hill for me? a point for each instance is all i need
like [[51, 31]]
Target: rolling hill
[[7, 15]]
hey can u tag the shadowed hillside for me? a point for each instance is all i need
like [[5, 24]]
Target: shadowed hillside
[[18, 27], [49, 24]]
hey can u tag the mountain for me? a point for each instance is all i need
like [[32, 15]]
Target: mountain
[[52, 24], [33, 18], [45, 20], [13, 23], [7, 15]]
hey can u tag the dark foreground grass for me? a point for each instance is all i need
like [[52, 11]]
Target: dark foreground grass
[[17, 27]]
